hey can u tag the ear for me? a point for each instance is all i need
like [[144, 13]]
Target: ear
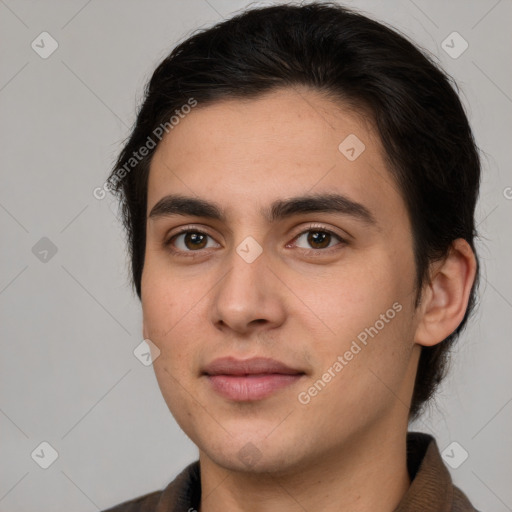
[[445, 299]]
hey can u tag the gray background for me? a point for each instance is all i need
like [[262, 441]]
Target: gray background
[[69, 323]]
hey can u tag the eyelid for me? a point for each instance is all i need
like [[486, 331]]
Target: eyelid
[[321, 227]]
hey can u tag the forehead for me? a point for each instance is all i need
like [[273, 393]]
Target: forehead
[[288, 142]]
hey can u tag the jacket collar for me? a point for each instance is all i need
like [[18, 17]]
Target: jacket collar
[[431, 488]]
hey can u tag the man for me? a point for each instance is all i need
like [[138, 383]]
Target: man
[[299, 195]]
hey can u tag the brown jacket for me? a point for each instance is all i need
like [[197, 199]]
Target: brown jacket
[[431, 487]]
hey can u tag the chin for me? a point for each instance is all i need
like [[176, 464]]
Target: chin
[[256, 455]]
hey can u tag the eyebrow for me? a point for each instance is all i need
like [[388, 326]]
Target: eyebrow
[[176, 204]]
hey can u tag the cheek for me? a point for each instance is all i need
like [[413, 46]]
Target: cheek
[[365, 315], [353, 295], [176, 390], [368, 377], [169, 321], [165, 322], [162, 300], [158, 310]]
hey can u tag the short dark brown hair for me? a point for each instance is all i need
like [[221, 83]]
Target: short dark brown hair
[[413, 103]]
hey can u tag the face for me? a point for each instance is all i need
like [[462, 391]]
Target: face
[[325, 288]]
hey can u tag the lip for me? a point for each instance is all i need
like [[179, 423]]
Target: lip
[[253, 366], [249, 379]]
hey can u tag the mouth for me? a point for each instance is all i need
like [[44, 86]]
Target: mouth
[[250, 379], [248, 388]]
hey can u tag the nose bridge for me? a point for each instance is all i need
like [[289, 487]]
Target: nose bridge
[[247, 258], [247, 265], [246, 292]]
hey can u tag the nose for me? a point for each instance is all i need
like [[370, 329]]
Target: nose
[[249, 296]]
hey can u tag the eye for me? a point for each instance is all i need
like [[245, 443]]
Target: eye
[[191, 241], [188, 240], [318, 238]]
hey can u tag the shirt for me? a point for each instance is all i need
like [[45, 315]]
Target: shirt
[[431, 488]]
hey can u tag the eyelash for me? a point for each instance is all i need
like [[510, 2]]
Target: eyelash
[[192, 254]]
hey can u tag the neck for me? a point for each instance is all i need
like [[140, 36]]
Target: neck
[[369, 472]]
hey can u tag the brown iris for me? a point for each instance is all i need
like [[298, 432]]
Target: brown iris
[[197, 240], [319, 237]]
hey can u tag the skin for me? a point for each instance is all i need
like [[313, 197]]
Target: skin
[[297, 302]]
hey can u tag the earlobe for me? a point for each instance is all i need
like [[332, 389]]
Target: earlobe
[[445, 298]]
